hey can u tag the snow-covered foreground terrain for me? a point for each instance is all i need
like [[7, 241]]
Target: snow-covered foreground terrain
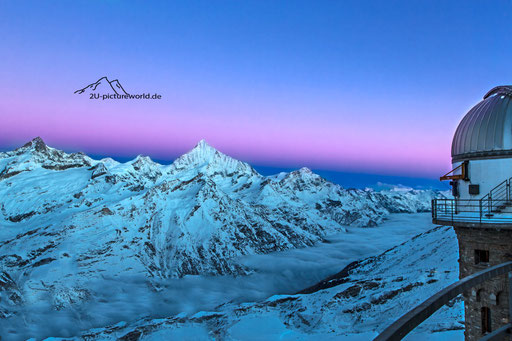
[[355, 304], [284, 272], [85, 243]]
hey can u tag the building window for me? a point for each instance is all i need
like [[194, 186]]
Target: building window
[[479, 294], [499, 298], [481, 256], [486, 320]]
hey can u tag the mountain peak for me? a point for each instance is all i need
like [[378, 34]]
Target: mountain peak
[[36, 144], [302, 176], [203, 145], [205, 156], [142, 158], [203, 151], [143, 161], [305, 170]]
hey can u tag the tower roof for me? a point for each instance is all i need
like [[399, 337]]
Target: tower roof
[[486, 130]]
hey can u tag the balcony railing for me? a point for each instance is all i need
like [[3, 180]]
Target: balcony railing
[[488, 211], [493, 208]]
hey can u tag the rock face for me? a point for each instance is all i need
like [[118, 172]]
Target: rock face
[[36, 154]]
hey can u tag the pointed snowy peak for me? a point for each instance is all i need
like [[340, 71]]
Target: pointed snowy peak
[[203, 144], [208, 160], [35, 147], [36, 154], [201, 154], [145, 167], [109, 162], [143, 162], [305, 170], [142, 159], [304, 178], [304, 173], [36, 144], [204, 150], [38, 149]]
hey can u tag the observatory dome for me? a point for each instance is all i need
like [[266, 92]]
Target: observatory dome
[[486, 130]]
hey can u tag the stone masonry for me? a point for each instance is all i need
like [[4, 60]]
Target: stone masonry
[[475, 246]]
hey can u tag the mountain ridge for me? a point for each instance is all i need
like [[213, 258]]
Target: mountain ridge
[[69, 222]]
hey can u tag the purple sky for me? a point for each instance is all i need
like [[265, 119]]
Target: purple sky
[[349, 86]]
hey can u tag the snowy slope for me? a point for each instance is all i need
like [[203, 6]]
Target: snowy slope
[[187, 218], [355, 304], [68, 222]]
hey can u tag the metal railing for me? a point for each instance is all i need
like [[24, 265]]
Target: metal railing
[[496, 196], [471, 210], [400, 328], [484, 210]]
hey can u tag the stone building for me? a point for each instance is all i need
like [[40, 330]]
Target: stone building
[[481, 210]]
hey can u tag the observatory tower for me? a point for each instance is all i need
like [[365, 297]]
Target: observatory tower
[[481, 208]]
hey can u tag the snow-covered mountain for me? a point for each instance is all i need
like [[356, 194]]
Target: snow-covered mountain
[[67, 220], [355, 304], [190, 217]]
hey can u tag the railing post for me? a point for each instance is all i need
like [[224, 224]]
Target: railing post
[[509, 297], [480, 202], [509, 187], [508, 190], [453, 204]]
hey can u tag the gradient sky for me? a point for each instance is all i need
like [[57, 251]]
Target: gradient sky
[[354, 86]]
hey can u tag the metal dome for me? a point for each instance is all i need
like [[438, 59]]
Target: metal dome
[[486, 130]]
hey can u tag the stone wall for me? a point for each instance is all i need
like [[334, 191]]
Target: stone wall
[[493, 293]]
